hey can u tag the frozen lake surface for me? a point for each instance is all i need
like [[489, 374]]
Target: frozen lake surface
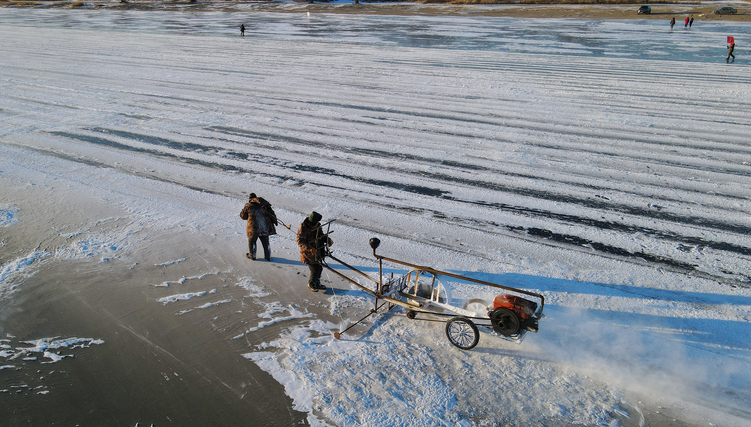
[[604, 164], [636, 39]]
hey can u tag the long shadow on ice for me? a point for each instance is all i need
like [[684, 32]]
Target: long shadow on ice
[[606, 289]]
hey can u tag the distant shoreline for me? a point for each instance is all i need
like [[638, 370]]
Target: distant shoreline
[[700, 11]]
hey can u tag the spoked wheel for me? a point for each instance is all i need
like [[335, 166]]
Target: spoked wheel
[[505, 321], [462, 333]]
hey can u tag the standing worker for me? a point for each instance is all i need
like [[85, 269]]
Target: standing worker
[[672, 22], [261, 224], [313, 242], [731, 48], [242, 30], [686, 24]]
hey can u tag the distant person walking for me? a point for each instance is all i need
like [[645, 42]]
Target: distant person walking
[[672, 23], [691, 22], [313, 242], [731, 48], [686, 24], [242, 30], [261, 224]]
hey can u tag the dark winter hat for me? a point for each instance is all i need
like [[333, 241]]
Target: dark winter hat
[[252, 195], [314, 217]]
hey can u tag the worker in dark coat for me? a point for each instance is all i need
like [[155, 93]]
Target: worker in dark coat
[[261, 224], [313, 243]]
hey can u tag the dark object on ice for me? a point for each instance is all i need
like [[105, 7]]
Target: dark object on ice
[[314, 244], [505, 322], [261, 224], [462, 333], [374, 243], [511, 314], [644, 10], [727, 10], [242, 30], [731, 48]]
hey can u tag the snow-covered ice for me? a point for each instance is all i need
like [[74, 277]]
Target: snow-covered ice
[[603, 164]]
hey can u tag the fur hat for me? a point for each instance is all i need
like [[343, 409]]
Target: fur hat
[[314, 217], [252, 196]]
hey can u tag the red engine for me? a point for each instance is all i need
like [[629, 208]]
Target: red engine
[[523, 308]]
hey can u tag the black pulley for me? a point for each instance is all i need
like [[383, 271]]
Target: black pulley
[[505, 321]]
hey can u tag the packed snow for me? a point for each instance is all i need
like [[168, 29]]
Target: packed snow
[[49, 348], [8, 216], [182, 297], [602, 164]]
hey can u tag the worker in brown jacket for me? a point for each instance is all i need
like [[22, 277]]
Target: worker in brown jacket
[[313, 244], [261, 224]]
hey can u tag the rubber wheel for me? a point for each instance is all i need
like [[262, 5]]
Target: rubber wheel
[[411, 314], [462, 333], [478, 306], [505, 321]]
